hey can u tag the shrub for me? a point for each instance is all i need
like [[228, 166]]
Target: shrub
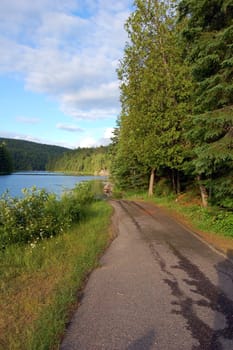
[[39, 214]]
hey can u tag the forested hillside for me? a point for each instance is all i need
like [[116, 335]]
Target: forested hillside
[[83, 161], [6, 165], [176, 121], [16, 155], [27, 155]]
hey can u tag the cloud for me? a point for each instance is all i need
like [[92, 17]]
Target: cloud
[[71, 128], [90, 141], [87, 142], [66, 49], [108, 133], [91, 114], [27, 120], [94, 103], [26, 137]]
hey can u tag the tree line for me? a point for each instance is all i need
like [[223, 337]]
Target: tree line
[[83, 161], [176, 119], [19, 155], [6, 165]]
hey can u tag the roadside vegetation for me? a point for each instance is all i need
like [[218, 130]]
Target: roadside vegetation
[[53, 246], [174, 136], [187, 207], [39, 214]]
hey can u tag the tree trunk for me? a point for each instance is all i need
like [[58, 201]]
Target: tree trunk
[[173, 181], [204, 194], [178, 187], [151, 184]]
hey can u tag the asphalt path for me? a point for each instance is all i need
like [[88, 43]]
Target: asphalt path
[[158, 287]]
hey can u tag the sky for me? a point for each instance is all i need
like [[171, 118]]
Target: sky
[[58, 61]]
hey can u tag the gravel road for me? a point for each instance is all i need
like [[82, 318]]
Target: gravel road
[[158, 287]]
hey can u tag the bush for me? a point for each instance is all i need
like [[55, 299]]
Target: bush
[[163, 188], [39, 214]]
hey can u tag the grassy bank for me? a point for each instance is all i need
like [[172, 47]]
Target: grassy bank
[[212, 220], [39, 282]]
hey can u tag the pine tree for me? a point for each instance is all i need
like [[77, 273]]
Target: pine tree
[[208, 35]]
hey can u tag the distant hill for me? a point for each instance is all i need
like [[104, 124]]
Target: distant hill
[[28, 155], [92, 161]]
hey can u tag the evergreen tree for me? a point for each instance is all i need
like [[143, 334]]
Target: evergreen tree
[[208, 36], [154, 89], [5, 160]]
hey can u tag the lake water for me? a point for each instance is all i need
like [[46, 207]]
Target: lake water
[[52, 182]]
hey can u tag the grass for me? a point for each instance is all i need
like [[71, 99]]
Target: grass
[[212, 219], [39, 284]]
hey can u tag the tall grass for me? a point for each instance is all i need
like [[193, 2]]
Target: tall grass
[[39, 283]]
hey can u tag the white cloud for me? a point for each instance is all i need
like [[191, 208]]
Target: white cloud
[[87, 142], [91, 114], [90, 141], [66, 49], [41, 140], [108, 133], [68, 127]]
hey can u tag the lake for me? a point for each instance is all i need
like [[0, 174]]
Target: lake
[[52, 182]]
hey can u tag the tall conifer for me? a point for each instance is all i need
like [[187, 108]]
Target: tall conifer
[[208, 35]]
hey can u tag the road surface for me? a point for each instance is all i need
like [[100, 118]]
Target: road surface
[[158, 287]]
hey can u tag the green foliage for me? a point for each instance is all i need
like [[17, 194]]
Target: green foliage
[[27, 155], [222, 222], [39, 215], [127, 172], [30, 155], [38, 286], [177, 95], [221, 190], [208, 36], [5, 160], [212, 220], [155, 90], [163, 188], [82, 161]]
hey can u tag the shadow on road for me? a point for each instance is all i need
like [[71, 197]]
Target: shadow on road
[[216, 299], [222, 334], [145, 342]]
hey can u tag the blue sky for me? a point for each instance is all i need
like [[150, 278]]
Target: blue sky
[[58, 61]]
